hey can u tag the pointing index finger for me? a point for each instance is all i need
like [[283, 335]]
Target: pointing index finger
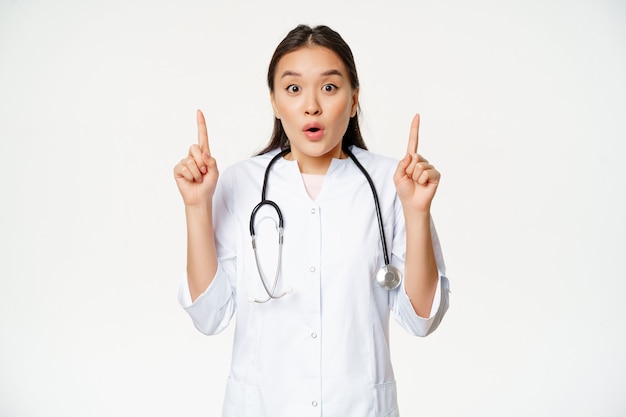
[[203, 136], [414, 135]]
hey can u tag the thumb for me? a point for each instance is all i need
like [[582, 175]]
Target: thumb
[[401, 169]]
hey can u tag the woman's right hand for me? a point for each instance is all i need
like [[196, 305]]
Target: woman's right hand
[[196, 175]]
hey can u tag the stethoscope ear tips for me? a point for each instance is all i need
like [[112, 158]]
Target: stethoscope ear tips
[[389, 277]]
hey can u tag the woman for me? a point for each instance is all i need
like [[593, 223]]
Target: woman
[[311, 333]]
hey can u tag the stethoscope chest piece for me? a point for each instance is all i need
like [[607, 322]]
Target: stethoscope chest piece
[[389, 277]]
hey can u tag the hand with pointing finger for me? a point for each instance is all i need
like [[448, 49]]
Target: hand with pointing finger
[[415, 178], [196, 175]]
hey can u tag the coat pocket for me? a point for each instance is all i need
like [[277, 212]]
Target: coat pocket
[[241, 400], [386, 400]]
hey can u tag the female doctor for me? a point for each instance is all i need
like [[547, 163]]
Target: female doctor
[[323, 215]]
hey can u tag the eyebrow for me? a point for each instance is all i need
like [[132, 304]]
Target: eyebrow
[[324, 74]]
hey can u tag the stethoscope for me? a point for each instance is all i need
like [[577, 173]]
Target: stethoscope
[[388, 277]]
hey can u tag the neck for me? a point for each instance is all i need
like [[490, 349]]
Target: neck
[[315, 164]]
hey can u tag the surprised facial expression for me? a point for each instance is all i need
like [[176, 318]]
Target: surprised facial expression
[[314, 100]]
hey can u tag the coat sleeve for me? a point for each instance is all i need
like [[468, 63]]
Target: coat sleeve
[[213, 309]]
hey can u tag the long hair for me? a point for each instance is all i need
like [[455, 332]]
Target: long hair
[[304, 35]]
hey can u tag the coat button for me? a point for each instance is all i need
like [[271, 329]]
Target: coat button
[[314, 403], [312, 269], [313, 211], [314, 335]]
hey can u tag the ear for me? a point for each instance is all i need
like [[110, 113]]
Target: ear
[[355, 102], [274, 107]]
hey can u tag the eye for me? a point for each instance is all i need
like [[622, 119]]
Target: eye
[[293, 88], [329, 88]]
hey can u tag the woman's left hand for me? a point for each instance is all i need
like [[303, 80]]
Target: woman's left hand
[[415, 178]]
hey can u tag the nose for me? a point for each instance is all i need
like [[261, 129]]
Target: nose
[[312, 106]]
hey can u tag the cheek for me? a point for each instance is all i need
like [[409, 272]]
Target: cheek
[[349, 105], [288, 121], [337, 106], [287, 108], [344, 111]]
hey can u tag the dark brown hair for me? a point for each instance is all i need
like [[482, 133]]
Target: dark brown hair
[[301, 36]]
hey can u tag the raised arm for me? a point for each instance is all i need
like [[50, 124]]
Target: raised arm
[[416, 182], [196, 177]]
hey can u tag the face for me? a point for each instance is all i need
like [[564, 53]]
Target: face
[[314, 101]]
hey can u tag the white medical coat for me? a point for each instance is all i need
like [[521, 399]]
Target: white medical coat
[[323, 349]]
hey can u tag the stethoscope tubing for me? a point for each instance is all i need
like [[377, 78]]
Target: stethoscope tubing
[[388, 277], [264, 202], [379, 215]]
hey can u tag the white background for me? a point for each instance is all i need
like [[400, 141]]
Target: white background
[[523, 111]]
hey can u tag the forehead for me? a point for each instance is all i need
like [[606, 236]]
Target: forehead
[[310, 60]]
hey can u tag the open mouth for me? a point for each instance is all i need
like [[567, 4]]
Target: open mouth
[[313, 131]]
